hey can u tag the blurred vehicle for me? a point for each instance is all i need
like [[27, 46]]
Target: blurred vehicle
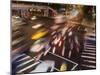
[[39, 34], [33, 18], [39, 48]]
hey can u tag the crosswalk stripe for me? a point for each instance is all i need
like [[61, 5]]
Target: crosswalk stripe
[[90, 61], [90, 57], [27, 57], [91, 48], [90, 66], [18, 56], [88, 53], [27, 67], [25, 63], [91, 39]]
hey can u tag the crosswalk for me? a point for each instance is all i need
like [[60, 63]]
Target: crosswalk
[[25, 64], [88, 55]]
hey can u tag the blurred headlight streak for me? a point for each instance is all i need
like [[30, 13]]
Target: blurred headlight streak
[[34, 18], [37, 26], [70, 33]]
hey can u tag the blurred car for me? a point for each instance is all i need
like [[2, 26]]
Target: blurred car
[[39, 34], [39, 48]]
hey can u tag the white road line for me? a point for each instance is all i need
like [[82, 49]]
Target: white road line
[[56, 69], [25, 63], [90, 66], [91, 39], [60, 43], [27, 57], [90, 45], [91, 48], [88, 57], [19, 56], [47, 51], [28, 67], [54, 49], [63, 51], [63, 58], [74, 67], [70, 52], [90, 61], [53, 32], [88, 53]]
